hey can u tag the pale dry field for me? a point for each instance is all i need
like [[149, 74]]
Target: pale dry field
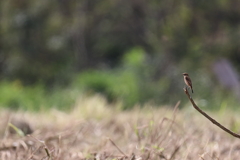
[[95, 130]]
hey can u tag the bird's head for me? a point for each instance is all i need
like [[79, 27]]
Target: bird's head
[[185, 74]]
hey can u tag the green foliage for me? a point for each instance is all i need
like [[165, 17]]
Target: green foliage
[[17, 130], [131, 83], [48, 42], [114, 85], [45, 41], [126, 83], [16, 96], [135, 57]]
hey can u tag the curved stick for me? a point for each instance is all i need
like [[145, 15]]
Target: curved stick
[[208, 117]]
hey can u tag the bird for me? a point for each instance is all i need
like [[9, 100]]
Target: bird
[[188, 81]]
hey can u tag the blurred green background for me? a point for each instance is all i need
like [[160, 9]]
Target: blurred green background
[[133, 52]]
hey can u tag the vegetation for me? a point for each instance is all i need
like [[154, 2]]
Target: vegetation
[[35, 98], [69, 68], [142, 46], [95, 130]]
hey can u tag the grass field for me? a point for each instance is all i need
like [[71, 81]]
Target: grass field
[[96, 130]]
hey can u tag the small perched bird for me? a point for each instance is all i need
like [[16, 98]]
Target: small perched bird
[[187, 80]]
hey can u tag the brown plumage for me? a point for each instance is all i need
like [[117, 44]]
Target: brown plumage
[[187, 80]]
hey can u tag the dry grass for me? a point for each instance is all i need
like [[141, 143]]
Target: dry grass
[[94, 130]]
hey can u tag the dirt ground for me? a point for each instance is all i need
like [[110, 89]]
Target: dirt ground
[[95, 130]]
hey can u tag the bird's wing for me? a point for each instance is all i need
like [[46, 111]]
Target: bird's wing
[[189, 81]]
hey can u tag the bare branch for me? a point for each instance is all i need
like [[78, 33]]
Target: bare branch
[[208, 117]]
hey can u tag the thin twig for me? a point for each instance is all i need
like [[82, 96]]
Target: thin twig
[[208, 117], [59, 146], [154, 135], [133, 156], [172, 121], [32, 154], [148, 155], [175, 152], [47, 151], [44, 145], [117, 147]]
